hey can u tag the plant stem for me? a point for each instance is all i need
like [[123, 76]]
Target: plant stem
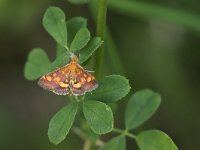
[[125, 132], [111, 49], [85, 137], [101, 23], [80, 133], [99, 143], [87, 144]]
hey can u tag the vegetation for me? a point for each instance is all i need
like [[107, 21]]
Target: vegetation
[[98, 107]]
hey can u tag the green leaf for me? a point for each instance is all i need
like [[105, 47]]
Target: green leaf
[[89, 49], [152, 11], [78, 1], [111, 89], [117, 143], [155, 140], [61, 123], [141, 106], [60, 50], [99, 116], [73, 26], [54, 23], [61, 61], [81, 38], [37, 64]]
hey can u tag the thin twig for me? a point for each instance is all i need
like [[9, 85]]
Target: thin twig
[[80, 133], [125, 132], [99, 143], [87, 144], [84, 137]]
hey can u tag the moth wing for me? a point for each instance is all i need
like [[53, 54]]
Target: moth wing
[[85, 82], [56, 81]]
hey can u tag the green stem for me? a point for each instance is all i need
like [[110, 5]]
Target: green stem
[[83, 136], [87, 144], [116, 66], [80, 133], [101, 23], [125, 132]]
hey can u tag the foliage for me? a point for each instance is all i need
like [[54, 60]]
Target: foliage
[[72, 36], [118, 142], [54, 23], [107, 93], [145, 100], [154, 139], [38, 64], [61, 123], [99, 116]]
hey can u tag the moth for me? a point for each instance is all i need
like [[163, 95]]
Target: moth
[[70, 79]]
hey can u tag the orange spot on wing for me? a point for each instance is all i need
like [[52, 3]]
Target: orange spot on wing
[[63, 84], [78, 85], [57, 79], [49, 78], [83, 79], [54, 74], [89, 79]]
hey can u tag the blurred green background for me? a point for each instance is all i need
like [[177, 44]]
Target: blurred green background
[[155, 52]]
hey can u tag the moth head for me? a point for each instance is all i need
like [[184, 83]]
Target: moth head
[[73, 57]]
